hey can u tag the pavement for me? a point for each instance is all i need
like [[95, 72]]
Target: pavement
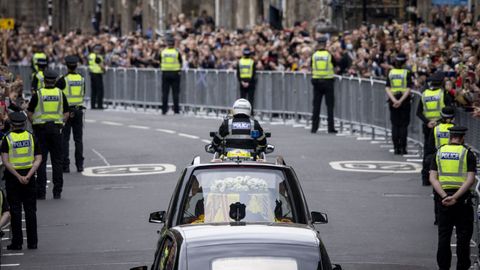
[[377, 220]]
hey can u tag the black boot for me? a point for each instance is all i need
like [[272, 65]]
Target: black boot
[[315, 124]]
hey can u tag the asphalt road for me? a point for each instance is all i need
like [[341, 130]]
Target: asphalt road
[[377, 220]]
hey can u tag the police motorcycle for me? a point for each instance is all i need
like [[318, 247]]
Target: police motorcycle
[[236, 154]]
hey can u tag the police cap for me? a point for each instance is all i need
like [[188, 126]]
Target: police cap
[[246, 51], [322, 40], [42, 62], [170, 40], [401, 57], [50, 74], [458, 130], [17, 118], [448, 112], [71, 60], [437, 77]]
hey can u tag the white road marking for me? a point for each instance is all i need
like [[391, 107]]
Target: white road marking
[[377, 142], [101, 157], [166, 130], [385, 146], [206, 141], [188, 136], [138, 127], [90, 120], [364, 138], [13, 254], [112, 123], [411, 155], [128, 170], [9, 265], [298, 125], [414, 160], [276, 123]]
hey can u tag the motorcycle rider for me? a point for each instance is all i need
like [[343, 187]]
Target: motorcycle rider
[[240, 131]]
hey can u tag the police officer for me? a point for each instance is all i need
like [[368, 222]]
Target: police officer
[[47, 110], [37, 54], [434, 99], [452, 175], [96, 69], [37, 76], [171, 65], [21, 156], [237, 131], [73, 86], [439, 137], [323, 64], [246, 76], [399, 83]]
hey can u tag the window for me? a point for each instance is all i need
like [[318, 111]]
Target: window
[[167, 255], [264, 193], [257, 263]]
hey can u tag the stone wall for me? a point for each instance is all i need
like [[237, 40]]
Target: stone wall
[[73, 14]]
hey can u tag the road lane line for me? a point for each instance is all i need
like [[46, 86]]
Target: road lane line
[[13, 254], [188, 136], [9, 265], [206, 141], [364, 138], [112, 123], [411, 155], [90, 120], [169, 131], [101, 157], [138, 127], [414, 160]]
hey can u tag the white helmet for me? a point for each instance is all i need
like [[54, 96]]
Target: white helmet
[[242, 106]]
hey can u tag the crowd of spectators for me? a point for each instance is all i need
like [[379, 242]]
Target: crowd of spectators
[[449, 42]]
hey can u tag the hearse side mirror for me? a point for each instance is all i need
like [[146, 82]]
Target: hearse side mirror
[[268, 134], [337, 267], [270, 148], [209, 149], [213, 133], [319, 218], [157, 217], [143, 267]]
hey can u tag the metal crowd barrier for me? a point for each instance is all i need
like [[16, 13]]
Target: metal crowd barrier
[[360, 104]]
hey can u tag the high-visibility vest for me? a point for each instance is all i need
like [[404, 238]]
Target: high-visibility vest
[[20, 149], [452, 165], [433, 103], [245, 66], [74, 89], [441, 134], [170, 60], [322, 67], [40, 79], [398, 80], [93, 67], [36, 56], [49, 107]]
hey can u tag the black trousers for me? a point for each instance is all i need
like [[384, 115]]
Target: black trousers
[[49, 138], [459, 216], [170, 80], [400, 119], [427, 159], [248, 93], [322, 88], [96, 98], [75, 124], [19, 195]]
